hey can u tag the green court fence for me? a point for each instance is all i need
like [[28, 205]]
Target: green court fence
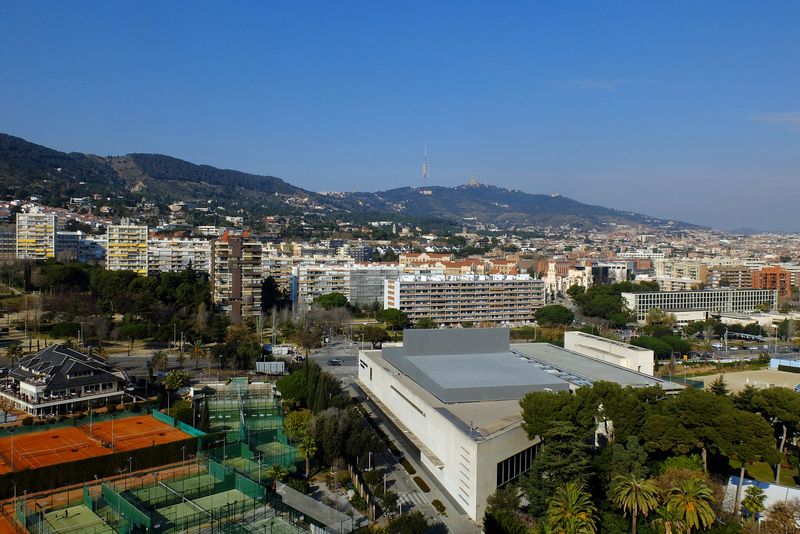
[[124, 508], [164, 418]]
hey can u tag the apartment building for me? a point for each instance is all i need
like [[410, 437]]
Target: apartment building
[[421, 258], [8, 242], [126, 248], [735, 276], [774, 278], [367, 282], [685, 269], [452, 300], [236, 276], [36, 235], [81, 247], [311, 280], [697, 305], [174, 254]]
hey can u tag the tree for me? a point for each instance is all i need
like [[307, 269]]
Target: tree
[[719, 387], [410, 523], [159, 360], [308, 338], [745, 439], [205, 417], [634, 496], [14, 353], [389, 500], [571, 511], [743, 400], [198, 351], [782, 518], [270, 294], [395, 319], [276, 472], [692, 502], [658, 317], [563, 457], [331, 300], [307, 449], [753, 502], [295, 424], [6, 405], [176, 380], [781, 407], [180, 358], [374, 334], [553, 315], [425, 323]]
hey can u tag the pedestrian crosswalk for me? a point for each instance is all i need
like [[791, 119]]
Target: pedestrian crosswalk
[[414, 497]]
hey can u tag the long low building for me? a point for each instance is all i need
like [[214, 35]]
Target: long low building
[[452, 300], [698, 305], [454, 393]]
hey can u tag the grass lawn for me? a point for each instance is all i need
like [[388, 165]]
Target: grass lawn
[[763, 472]]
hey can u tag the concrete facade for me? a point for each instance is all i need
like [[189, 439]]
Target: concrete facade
[[623, 354]]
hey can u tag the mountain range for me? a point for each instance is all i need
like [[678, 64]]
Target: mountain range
[[28, 169]]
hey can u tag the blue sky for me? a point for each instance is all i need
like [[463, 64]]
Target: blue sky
[[689, 110]]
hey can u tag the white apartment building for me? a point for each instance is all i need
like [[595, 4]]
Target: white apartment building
[[688, 269], [697, 304], [642, 254], [36, 235], [174, 254], [126, 248], [312, 280], [452, 300]]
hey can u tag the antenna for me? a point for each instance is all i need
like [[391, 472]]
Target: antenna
[[425, 167]]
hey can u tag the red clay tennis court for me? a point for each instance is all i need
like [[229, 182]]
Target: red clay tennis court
[[49, 447]]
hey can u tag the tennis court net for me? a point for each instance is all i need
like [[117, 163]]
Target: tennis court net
[[184, 499], [57, 450]]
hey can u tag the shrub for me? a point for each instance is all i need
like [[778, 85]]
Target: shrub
[[359, 503], [111, 408], [40, 423], [342, 477], [372, 477], [136, 408], [28, 421], [439, 506], [408, 467], [299, 484], [422, 485]]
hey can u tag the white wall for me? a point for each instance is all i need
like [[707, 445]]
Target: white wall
[[618, 353], [469, 470]]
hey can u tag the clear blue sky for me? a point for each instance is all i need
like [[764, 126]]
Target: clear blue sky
[[688, 110]]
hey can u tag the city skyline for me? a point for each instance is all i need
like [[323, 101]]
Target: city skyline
[[688, 114]]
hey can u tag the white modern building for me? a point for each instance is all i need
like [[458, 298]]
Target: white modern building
[[174, 254], [454, 394], [36, 235], [697, 305], [451, 300]]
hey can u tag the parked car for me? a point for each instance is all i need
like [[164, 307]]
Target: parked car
[[335, 361]]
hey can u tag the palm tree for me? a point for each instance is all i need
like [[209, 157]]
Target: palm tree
[[691, 501], [14, 353], [198, 351], [753, 501], [307, 448], [275, 473], [570, 510], [634, 497], [159, 360]]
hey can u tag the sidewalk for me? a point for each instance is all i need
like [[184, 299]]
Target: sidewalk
[[399, 481]]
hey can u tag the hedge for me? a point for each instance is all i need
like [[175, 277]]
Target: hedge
[[422, 484]]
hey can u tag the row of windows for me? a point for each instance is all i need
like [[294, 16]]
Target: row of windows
[[516, 465]]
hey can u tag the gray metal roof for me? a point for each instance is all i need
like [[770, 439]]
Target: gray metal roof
[[466, 365], [589, 368]]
